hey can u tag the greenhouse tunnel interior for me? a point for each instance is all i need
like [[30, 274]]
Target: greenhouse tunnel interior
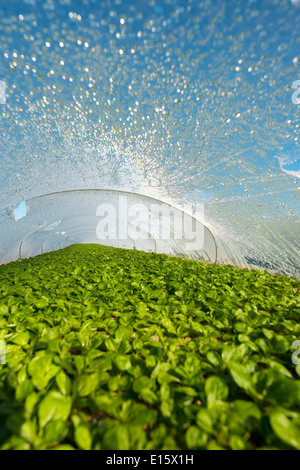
[[187, 108]]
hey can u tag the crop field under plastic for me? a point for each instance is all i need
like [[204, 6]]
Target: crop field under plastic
[[108, 348]]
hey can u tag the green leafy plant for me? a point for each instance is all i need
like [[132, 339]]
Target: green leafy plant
[[114, 349]]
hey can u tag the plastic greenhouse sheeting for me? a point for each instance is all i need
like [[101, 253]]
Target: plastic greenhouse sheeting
[[191, 104]]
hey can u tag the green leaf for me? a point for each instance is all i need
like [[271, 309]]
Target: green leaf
[[85, 384], [139, 414], [148, 396], [167, 407], [238, 443], [123, 332], [244, 412], [55, 431], [110, 405], [28, 431], [213, 445], [214, 358], [42, 303], [195, 438], [242, 377], [123, 362], [284, 392], [165, 391], [21, 339], [116, 438], [137, 437], [215, 390], [63, 382], [111, 344], [54, 406], [280, 344], [83, 437], [141, 383], [205, 421], [23, 390], [63, 447], [3, 309], [285, 429], [235, 354], [42, 370]]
